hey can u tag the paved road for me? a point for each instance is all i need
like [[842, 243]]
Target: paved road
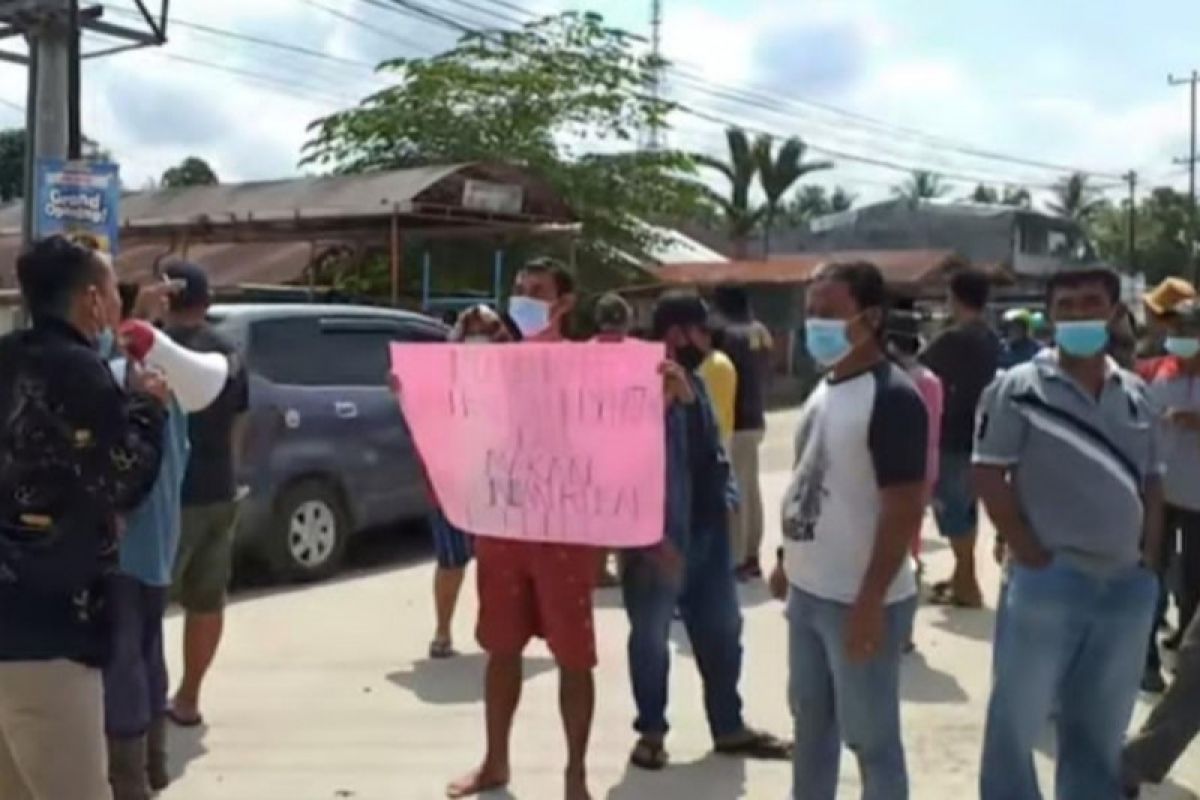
[[324, 692]]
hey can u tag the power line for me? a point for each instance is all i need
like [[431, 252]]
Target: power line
[[753, 96], [359, 22], [258, 40]]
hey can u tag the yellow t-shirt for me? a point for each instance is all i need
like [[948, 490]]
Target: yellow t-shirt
[[720, 378]]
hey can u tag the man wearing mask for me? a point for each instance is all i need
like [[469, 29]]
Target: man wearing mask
[[210, 493], [77, 451], [854, 505], [1067, 467], [693, 569], [1175, 391], [529, 589]]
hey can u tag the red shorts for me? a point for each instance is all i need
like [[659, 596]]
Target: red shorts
[[529, 589]]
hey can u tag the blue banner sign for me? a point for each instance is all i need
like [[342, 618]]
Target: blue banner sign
[[79, 199]]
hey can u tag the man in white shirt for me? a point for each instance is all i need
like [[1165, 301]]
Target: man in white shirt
[[855, 504]]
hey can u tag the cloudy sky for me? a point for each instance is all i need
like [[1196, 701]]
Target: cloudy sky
[[928, 83]]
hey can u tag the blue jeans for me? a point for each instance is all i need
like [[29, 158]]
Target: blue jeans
[[1075, 642], [835, 701], [708, 603], [135, 679]]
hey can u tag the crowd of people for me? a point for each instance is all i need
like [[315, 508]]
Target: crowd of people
[[118, 493]]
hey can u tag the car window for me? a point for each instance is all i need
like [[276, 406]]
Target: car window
[[324, 351]]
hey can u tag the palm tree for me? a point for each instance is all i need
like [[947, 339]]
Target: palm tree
[[1017, 196], [741, 218], [778, 173], [922, 185], [983, 194], [841, 200], [1074, 199]]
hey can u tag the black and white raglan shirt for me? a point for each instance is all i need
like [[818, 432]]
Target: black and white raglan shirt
[[856, 436]]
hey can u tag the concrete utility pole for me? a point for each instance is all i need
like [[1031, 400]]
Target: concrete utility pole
[[1191, 164], [53, 31], [1131, 177], [656, 23]]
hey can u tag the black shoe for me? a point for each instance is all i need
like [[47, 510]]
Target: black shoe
[[1173, 641], [1152, 681]]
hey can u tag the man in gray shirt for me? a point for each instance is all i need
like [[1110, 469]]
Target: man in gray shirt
[[1067, 468]]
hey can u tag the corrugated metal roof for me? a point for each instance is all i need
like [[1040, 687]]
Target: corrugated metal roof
[[366, 195], [899, 267], [227, 264]]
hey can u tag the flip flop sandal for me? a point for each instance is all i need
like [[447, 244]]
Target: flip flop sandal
[[439, 650], [184, 722], [650, 756], [760, 746]]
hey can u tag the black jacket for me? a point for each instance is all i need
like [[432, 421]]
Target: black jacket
[[75, 452]]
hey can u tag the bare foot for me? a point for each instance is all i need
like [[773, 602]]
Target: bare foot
[[483, 779], [577, 786]]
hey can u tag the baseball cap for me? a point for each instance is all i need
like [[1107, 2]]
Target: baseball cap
[[679, 309], [195, 292]]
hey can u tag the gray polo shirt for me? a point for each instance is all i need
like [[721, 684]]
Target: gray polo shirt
[[1079, 464], [1180, 446]]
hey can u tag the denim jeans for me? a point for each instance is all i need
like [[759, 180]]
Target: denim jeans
[[135, 680], [707, 601], [1076, 642], [834, 701]]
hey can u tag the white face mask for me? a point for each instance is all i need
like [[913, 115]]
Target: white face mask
[[531, 316]]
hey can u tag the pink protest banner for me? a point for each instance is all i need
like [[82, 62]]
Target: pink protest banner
[[541, 442]]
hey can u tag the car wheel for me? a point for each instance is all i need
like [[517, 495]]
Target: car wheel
[[310, 532]]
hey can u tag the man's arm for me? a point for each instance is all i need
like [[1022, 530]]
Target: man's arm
[[119, 436], [999, 499], [902, 510]]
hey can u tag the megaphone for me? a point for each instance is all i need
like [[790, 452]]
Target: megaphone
[[196, 379]]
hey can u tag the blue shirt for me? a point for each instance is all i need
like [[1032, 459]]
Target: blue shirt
[[152, 530], [700, 486]]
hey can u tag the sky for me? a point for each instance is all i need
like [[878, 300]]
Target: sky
[[917, 83]]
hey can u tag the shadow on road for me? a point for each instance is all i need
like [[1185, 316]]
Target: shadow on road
[[456, 681], [713, 777], [922, 683], [369, 553], [184, 745], [970, 623]]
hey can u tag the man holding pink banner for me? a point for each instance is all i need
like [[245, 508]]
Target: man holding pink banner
[[697, 576], [527, 449]]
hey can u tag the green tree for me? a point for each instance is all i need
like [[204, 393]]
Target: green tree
[[547, 97], [1162, 219], [984, 194], [1075, 199], [1016, 196], [922, 185], [740, 215], [816, 201], [778, 173], [192, 171], [12, 164]]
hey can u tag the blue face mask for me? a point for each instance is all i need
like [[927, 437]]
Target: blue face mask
[[826, 340], [1082, 339], [1183, 346], [106, 343]]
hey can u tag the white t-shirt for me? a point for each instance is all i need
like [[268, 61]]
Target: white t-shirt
[[856, 436]]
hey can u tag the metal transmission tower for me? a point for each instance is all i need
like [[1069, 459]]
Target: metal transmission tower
[[53, 32], [654, 141]]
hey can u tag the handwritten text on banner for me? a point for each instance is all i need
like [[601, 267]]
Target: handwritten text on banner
[[541, 442]]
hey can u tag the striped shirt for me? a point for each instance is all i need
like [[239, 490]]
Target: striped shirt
[[1079, 463]]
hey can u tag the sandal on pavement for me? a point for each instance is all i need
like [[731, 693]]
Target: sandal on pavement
[[441, 649], [182, 721], [649, 755], [757, 745], [943, 594]]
